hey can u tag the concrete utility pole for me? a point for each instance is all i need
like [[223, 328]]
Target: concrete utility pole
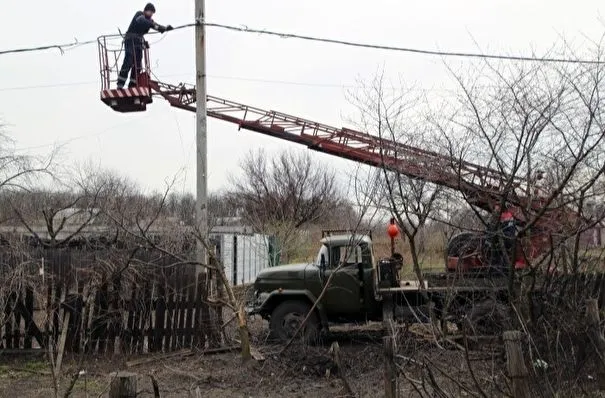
[[201, 133]]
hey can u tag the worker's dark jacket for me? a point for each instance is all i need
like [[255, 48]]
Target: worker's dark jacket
[[139, 26]]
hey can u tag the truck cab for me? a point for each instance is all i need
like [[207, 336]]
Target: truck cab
[[285, 294]]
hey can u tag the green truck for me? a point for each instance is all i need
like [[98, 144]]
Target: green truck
[[361, 289]]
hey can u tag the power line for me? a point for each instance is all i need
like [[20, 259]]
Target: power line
[[61, 47], [63, 142], [53, 85], [235, 78], [65, 84], [68, 46], [246, 29]]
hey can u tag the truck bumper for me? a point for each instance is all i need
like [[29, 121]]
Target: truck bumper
[[254, 304]]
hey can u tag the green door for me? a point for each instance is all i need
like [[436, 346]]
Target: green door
[[343, 295]]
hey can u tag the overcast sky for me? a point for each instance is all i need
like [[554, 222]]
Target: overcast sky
[[302, 78]]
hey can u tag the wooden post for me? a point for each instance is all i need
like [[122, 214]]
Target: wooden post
[[123, 385], [515, 364], [243, 333], [390, 370], [62, 340], [596, 337], [335, 350]]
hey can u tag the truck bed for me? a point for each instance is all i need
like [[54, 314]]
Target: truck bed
[[448, 281]]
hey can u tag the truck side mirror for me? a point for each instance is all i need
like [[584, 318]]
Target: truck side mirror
[[322, 262]]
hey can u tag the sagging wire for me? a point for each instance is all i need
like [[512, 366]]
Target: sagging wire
[[70, 46], [283, 35]]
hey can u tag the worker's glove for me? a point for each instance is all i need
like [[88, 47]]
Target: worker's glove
[[169, 28], [161, 29]]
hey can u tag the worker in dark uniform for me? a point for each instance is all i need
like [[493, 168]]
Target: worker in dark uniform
[[134, 42], [398, 260], [502, 230], [508, 226]]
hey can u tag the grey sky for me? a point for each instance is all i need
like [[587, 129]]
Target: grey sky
[[150, 147]]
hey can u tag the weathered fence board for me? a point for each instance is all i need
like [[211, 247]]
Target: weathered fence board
[[113, 308]]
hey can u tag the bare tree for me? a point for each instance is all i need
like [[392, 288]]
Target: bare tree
[[152, 226], [281, 196], [393, 114], [533, 135], [540, 128], [55, 217], [529, 120], [18, 171]]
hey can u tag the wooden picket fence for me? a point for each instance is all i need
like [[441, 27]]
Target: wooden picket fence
[[152, 305]]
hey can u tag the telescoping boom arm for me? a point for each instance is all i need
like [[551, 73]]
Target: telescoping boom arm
[[483, 186]]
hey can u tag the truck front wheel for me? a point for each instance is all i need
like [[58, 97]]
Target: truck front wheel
[[287, 318]]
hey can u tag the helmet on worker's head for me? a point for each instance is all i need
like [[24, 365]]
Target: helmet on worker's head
[[149, 7]]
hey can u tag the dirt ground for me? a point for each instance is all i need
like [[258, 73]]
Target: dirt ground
[[301, 371]]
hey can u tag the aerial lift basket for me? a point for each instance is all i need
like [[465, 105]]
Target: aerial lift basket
[[127, 99]]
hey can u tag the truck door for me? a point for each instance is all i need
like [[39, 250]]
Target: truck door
[[343, 293]]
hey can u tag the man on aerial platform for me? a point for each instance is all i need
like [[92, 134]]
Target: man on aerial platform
[[134, 42]]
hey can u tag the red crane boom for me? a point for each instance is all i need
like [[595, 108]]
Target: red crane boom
[[481, 184]]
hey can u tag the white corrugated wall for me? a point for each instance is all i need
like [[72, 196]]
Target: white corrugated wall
[[251, 256]]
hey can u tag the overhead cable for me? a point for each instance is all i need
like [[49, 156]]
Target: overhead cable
[[66, 46], [246, 29], [283, 35]]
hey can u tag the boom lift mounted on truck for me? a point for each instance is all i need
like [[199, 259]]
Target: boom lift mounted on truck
[[375, 291], [484, 187]]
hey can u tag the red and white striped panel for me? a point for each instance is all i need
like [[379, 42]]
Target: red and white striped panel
[[126, 92]]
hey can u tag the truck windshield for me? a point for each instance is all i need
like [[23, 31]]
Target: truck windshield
[[346, 255], [350, 255]]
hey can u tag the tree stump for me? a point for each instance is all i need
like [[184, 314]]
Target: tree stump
[[123, 385]]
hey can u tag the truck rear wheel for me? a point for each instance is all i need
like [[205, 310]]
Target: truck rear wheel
[[463, 244], [287, 318]]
